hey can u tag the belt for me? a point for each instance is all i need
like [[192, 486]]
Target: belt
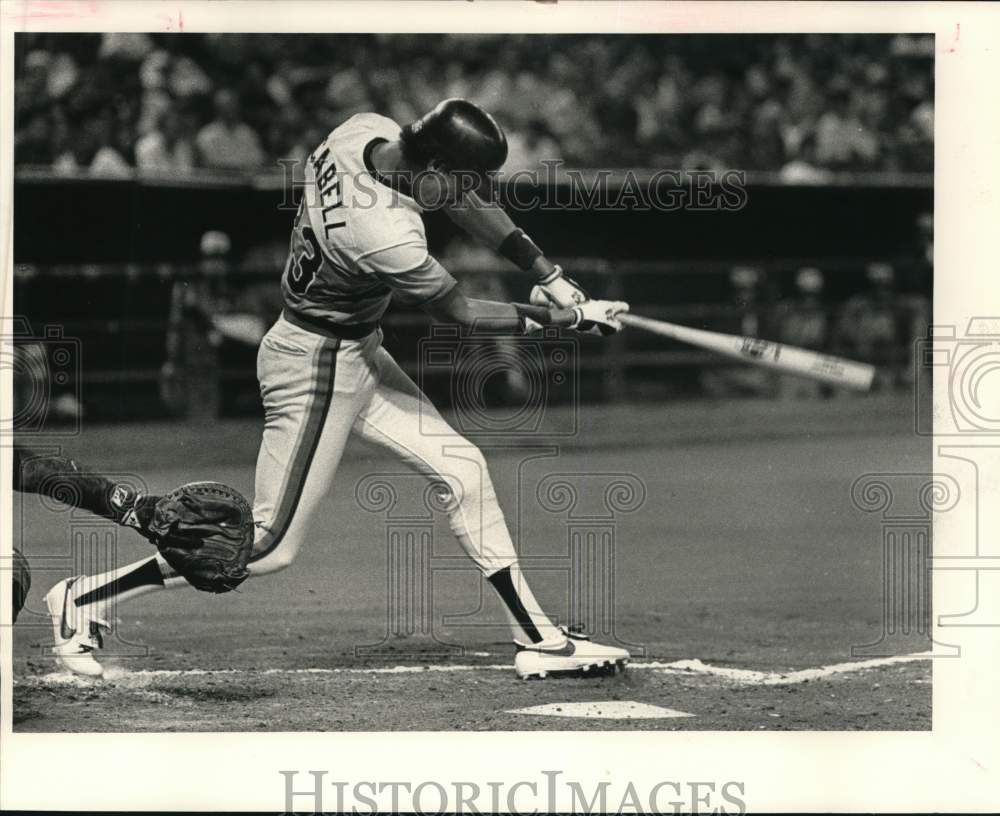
[[335, 331]]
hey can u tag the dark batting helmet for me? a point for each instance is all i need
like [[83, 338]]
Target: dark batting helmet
[[459, 134]]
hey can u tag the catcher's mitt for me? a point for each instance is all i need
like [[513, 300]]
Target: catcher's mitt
[[205, 531]]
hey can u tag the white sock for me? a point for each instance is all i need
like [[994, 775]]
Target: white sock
[[101, 594]]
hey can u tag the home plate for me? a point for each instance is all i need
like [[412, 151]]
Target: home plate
[[605, 710]]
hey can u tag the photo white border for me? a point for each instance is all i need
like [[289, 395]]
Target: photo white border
[[954, 767]]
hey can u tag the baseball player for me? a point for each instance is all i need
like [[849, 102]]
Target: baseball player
[[357, 242]]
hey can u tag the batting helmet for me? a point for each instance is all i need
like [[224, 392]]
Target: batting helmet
[[459, 134]]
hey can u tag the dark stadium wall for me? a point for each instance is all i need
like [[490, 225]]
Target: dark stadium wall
[[89, 221]]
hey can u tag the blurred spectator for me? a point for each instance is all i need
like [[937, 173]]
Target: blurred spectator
[[916, 305], [215, 323], [748, 284], [165, 149], [659, 127], [62, 75], [867, 328], [189, 377], [228, 142], [33, 141], [33, 79], [107, 161], [95, 149], [805, 168], [925, 231], [347, 93], [915, 138], [128, 46], [802, 321], [187, 79], [804, 105], [528, 149], [767, 147], [842, 140]]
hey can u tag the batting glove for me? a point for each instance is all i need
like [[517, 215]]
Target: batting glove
[[560, 290], [599, 317]]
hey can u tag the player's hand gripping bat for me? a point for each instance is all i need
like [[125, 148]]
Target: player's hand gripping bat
[[555, 289], [561, 291]]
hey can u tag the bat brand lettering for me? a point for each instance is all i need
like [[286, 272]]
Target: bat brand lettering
[[752, 347], [828, 366]]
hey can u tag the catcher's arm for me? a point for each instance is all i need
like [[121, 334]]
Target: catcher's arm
[[65, 480], [491, 226]]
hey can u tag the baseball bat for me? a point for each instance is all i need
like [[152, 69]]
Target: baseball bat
[[777, 356]]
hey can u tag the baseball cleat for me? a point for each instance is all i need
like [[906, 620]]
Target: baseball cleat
[[77, 635], [577, 654]]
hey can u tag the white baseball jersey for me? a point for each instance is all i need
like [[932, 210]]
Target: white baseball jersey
[[357, 241]]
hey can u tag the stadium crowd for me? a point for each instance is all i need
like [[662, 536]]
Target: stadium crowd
[[801, 105]]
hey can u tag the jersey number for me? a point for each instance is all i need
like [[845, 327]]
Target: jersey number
[[304, 260]]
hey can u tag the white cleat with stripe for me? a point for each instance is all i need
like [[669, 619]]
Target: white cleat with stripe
[[577, 655], [77, 635]]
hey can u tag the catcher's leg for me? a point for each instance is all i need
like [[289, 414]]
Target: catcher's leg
[[401, 419], [82, 606]]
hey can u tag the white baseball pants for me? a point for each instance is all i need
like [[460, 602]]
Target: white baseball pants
[[317, 390]]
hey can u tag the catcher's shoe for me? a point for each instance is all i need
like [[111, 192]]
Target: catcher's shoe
[[576, 655], [77, 634]]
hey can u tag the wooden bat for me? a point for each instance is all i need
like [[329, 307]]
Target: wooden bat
[[777, 356]]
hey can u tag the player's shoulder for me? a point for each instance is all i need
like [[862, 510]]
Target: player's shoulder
[[370, 125], [394, 234]]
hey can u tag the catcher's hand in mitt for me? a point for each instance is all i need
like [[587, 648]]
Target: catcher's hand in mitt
[[205, 531]]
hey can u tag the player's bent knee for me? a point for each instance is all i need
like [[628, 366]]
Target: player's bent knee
[[444, 492], [467, 472], [272, 562]]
